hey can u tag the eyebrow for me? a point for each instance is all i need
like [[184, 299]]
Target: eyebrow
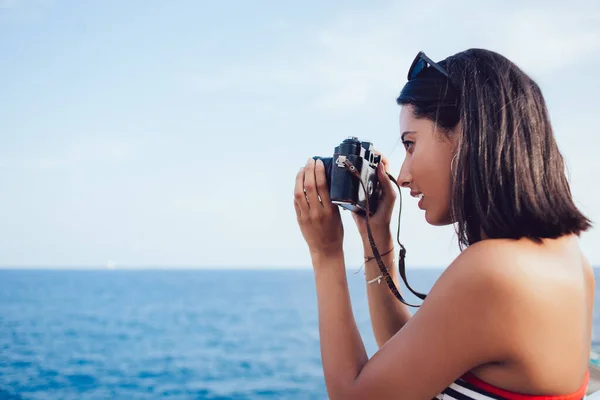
[[406, 133]]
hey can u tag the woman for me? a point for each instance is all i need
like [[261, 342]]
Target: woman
[[512, 314]]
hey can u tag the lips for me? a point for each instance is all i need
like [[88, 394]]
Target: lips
[[419, 196]]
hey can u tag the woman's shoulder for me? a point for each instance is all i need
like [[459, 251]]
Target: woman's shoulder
[[517, 262], [492, 263], [507, 275], [533, 299]]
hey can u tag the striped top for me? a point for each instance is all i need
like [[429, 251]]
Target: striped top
[[470, 387]]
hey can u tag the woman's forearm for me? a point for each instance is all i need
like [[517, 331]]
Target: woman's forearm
[[342, 350], [388, 315]]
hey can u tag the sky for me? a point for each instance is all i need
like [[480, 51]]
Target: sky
[[141, 134]]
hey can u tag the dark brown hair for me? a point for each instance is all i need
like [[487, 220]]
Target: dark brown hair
[[509, 175]]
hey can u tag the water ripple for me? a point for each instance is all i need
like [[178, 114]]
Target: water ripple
[[157, 334]]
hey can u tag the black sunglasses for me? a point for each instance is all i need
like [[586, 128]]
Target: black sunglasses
[[420, 63]]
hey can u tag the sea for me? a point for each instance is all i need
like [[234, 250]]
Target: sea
[[173, 334]]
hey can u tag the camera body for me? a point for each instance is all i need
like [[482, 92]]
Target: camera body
[[344, 189]]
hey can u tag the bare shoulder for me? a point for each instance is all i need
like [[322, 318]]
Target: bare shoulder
[[498, 288], [480, 292], [526, 298], [488, 267], [520, 270], [494, 301], [459, 326]]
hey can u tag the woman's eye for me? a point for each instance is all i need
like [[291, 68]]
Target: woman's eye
[[407, 144]]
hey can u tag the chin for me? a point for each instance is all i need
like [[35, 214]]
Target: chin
[[437, 219]]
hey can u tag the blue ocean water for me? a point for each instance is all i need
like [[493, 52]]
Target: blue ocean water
[[202, 334]]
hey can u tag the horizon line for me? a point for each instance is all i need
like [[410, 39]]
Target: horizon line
[[174, 267], [186, 268]]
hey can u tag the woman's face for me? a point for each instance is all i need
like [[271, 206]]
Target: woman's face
[[426, 167]]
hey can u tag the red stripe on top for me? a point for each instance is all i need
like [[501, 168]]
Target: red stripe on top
[[475, 381]]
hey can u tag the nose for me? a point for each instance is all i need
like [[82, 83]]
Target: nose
[[405, 178]]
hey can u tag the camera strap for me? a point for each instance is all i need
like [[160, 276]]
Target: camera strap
[[402, 253]]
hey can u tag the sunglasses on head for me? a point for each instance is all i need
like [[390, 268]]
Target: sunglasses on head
[[420, 63]]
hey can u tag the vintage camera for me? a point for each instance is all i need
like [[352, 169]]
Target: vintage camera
[[344, 189]]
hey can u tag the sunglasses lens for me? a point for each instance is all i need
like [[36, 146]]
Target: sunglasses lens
[[418, 67]]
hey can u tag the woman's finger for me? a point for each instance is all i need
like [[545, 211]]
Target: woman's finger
[[384, 161], [310, 184], [299, 195], [388, 196], [321, 181]]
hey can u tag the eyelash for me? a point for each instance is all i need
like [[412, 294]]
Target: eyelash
[[406, 143]]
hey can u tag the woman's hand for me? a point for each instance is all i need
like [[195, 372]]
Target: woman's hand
[[318, 218], [380, 220]]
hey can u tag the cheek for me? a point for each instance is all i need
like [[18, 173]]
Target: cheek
[[427, 168], [432, 175]]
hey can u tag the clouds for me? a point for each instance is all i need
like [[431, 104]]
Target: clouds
[[358, 63], [168, 141], [363, 56]]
